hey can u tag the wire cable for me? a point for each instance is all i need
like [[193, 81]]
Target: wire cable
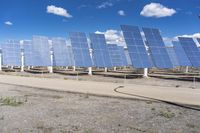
[[154, 99]]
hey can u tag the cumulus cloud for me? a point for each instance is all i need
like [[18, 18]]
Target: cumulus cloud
[[121, 13], [8, 23], [195, 35], [58, 11], [113, 37], [157, 10], [105, 5]]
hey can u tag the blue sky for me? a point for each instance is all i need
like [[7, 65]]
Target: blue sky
[[20, 19]]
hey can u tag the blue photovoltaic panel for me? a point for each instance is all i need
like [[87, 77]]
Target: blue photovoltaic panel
[[115, 55], [172, 56], [28, 53], [136, 47], [128, 58], [41, 51], [122, 53], [70, 55], [11, 53], [198, 39], [61, 54], [80, 49], [191, 50], [101, 56], [157, 48], [181, 55]]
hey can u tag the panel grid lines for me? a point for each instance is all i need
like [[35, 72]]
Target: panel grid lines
[[157, 48], [101, 55], [136, 48], [11, 53], [80, 49], [191, 50]]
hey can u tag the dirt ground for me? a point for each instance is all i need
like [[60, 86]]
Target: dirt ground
[[140, 81], [43, 111]]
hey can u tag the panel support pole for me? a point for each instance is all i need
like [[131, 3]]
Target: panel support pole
[[74, 68], [0, 61], [106, 69], [51, 58], [186, 69], [22, 61], [115, 68], [145, 73], [89, 70]]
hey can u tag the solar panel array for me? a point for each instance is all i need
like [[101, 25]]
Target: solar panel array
[[61, 53], [172, 56], [136, 47], [181, 55], [80, 49], [157, 48], [191, 50], [101, 56], [11, 53], [115, 55], [37, 52]]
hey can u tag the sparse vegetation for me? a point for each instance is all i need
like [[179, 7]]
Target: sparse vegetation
[[2, 118], [167, 114], [11, 101], [149, 102], [190, 125]]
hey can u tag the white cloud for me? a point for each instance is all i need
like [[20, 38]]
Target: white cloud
[[157, 10], [121, 13], [8, 23], [195, 35], [58, 11], [105, 5], [113, 37]]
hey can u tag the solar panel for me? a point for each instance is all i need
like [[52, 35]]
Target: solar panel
[[136, 47], [101, 56], [115, 55], [41, 51], [157, 48], [191, 50], [70, 55], [172, 56], [11, 53], [61, 53], [198, 39], [28, 53], [181, 55], [80, 49], [128, 58], [123, 56]]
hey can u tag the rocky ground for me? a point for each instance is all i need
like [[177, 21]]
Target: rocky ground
[[26, 110]]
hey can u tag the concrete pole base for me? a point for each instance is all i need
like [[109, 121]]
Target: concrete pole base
[[145, 75], [89, 70]]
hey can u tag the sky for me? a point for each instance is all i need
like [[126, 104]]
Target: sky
[[20, 19]]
